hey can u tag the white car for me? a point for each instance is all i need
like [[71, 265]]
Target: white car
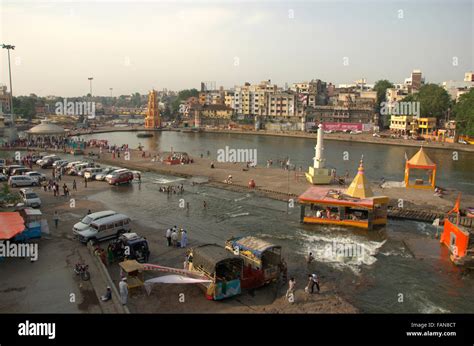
[[37, 175], [115, 172], [30, 198], [90, 173], [60, 163], [22, 180], [101, 176]]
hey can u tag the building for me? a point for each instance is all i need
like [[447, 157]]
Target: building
[[252, 99], [425, 126], [456, 88], [213, 115], [281, 104], [415, 81], [469, 76], [402, 124], [5, 107]]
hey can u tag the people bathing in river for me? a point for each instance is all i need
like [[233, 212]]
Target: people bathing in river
[[313, 280]]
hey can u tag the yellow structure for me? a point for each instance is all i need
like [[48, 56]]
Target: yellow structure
[[402, 124], [153, 118], [359, 187], [420, 161], [426, 125]]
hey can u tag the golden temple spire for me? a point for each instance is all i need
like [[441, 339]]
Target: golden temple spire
[[360, 187]]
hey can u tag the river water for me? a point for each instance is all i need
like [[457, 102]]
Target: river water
[[455, 169], [372, 281], [398, 269]]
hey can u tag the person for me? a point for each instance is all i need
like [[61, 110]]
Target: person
[[310, 258], [283, 270], [174, 238], [108, 295], [319, 214], [184, 238], [204, 204], [291, 288], [123, 291], [212, 164], [85, 182], [74, 185], [315, 282], [89, 212], [56, 219], [168, 236]]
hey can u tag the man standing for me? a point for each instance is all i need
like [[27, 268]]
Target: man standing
[[315, 282], [168, 236], [85, 182], [123, 287], [184, 238], [174, 238], [56, 219], [74, 186]]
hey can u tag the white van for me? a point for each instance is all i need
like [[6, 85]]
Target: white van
[[108, 227], [22, 180], [87, 220], [30, 198], [90, 173]]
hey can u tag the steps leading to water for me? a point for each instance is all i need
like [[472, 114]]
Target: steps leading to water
[[426, 216]]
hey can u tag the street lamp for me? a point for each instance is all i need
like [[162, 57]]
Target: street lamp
[[8, 47], [111, 91], [90, 81]]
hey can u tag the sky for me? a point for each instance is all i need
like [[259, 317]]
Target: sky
[[135, 46]]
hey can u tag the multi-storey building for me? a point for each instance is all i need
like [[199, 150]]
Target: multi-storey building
[[251, 99]]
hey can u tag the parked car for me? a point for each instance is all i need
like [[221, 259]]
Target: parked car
[[37, 175], [3, 177], [116, 171], [123, 177], [48, 161], [105, 228], [22, 180], [72, 164], [90, 173], [81, 170], [60, 163], [8, 170], [20, 171], [30, 198], [87, 220], [77, 169], [101, 176]]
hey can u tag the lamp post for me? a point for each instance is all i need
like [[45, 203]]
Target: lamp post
[[90, 85], [8, 47], [111, 91]]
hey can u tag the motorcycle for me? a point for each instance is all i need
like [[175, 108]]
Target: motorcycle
[[83, 271]]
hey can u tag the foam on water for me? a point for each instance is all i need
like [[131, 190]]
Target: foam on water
[[426, 306], [167, 180], [346, 251]]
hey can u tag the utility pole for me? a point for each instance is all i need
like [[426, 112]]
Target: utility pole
[[111, 91], [8, 47], [90, 81]]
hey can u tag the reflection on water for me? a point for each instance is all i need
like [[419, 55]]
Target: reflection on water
[[380, 160]]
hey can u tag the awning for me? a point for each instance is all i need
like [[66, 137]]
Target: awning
[[252, 244], [11, 223]]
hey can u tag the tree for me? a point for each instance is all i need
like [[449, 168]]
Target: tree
[[434, 100], [381, 87], [464, 113]]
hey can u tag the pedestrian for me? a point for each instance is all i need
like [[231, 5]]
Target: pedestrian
[[85, 182], [184, 239], [315, 280], [310, 258], [283, 270], [168, 236], [174, 238], [205, 204], [123, 291], [290, 293], [74, 185], [56, 219], [89, 212]]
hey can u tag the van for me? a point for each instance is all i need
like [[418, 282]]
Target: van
[[87, 220], [105, 228], [8, 170], [20, 171], [30, 198], [123, 177], [22, 180]]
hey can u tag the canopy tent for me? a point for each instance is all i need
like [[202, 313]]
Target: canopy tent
[[421, 161], [254, 245], [11, 224]]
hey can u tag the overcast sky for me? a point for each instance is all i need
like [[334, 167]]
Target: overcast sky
[[135, 46]]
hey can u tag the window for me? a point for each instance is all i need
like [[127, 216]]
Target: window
[[110, 226]]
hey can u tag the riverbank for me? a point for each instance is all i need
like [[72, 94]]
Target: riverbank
[[281, 184]]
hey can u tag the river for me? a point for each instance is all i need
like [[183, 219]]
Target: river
[[455, 170]]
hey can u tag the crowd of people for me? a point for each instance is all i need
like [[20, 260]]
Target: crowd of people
[[176, 238]]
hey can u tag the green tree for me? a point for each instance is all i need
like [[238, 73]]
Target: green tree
[[434, 100], [381, 87], [464, 113]]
